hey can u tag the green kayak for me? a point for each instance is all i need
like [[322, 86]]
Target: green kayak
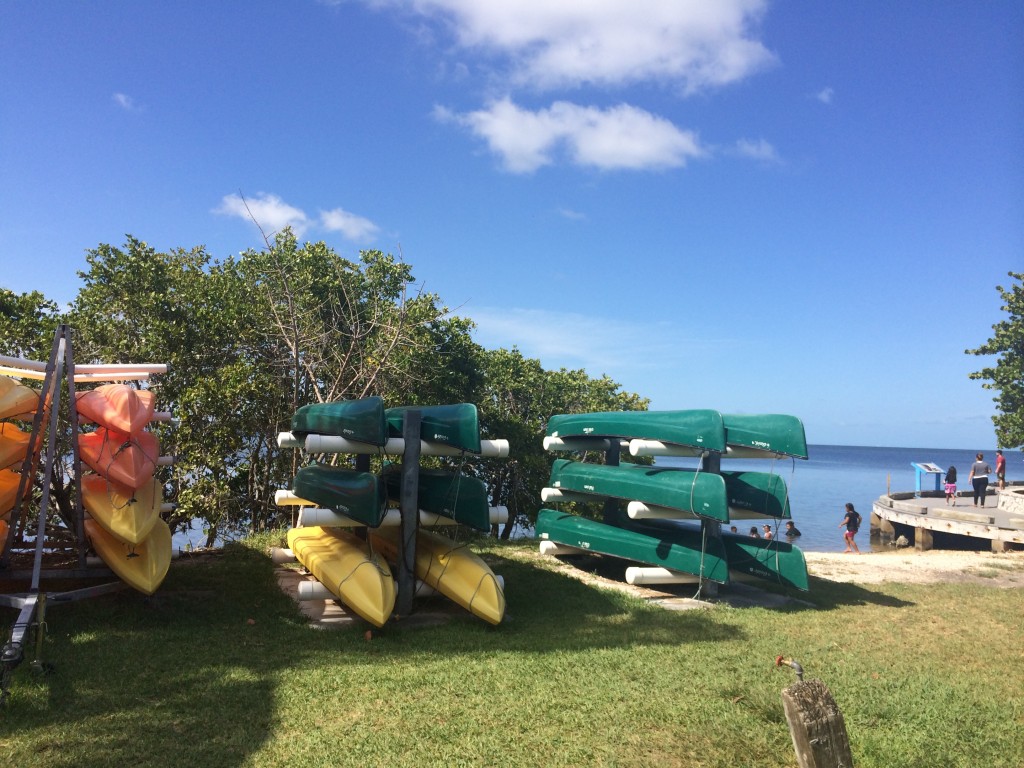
[[756, 493], [359, 420], [449, 494], [769, 432], [702, 429], [455, 425], [689, 491], [681, 551], [360, 495]]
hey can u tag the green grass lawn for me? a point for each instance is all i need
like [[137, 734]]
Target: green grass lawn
[[220, 669]]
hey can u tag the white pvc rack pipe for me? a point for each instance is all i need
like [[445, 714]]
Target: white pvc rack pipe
[[328, 518], [553, 549], [490, 449], [582, 444], [557, 494], [640, 447], [638, 510], [652, 575]]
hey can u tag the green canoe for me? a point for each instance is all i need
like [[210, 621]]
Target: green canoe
[[360, 495], [771, 560], [775, 561], [702, 429], [756, 493], [680, 552], [449, 494], [689, 491], [769, 432], [456, 425], [360, 420]]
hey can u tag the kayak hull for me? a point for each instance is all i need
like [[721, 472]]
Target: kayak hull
[[117, 406], [345, 565], [359, 495], [773, 433], [449, 494], [677, 551], [457, 425], [451, 569], [129, 460], [686, 490], [359, 420], [13, 444], [702, 429], [141, 566], [127, 514], [16, 399]]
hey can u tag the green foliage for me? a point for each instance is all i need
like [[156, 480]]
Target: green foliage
[[517, 400], [251, 338], [27, 324], [1007, 375]]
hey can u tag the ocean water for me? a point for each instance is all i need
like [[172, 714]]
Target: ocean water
[[820, 487], [833, 475]]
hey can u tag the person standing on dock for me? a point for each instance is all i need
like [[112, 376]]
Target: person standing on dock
[[852, 523], [951, 485], [1001, 469], [980, 470]]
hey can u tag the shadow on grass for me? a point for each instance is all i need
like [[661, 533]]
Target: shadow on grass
[[200, 665], [828, 594]]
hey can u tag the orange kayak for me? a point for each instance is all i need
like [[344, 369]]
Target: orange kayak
[[126, 459], [117, 406], [16, 399], [13, 444], [8, 490], [3, 535]]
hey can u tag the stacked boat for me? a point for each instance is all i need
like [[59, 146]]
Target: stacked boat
[[669, 518], [17, 405], [121, 494], [348, 532]]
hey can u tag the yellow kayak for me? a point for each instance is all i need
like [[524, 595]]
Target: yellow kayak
[[345, 565], [16, 399], [141, 566], [9, 481], [13, 444], [451, 569], [127, 514]]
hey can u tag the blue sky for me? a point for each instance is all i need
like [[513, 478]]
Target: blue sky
[[782, 206]]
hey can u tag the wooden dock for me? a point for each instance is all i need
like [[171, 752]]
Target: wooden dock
[[921, 516]]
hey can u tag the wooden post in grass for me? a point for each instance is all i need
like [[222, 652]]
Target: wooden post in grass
[[816, 725]]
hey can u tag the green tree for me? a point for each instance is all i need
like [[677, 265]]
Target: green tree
[[27, 324], [518, 398], [1007, 375]]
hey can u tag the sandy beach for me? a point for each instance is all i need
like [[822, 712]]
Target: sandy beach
[[908, 566]]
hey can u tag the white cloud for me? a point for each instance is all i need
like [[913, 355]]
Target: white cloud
[[757, 150], [125, 102], [825, 95], [353, 227], [622, 137], [598, 344], [273, 214], [270, 212], [571, 214], [693, 43]]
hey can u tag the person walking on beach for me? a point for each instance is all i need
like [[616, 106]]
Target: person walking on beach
[[1001, 469], [951, 485], [852, 523], [980, 470]]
